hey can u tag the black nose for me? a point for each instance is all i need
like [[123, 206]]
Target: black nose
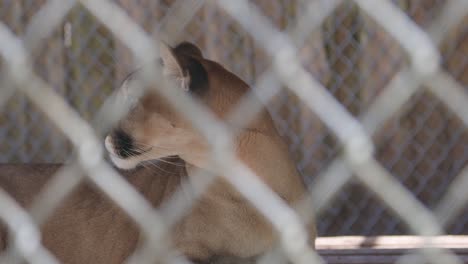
[[123, 143]]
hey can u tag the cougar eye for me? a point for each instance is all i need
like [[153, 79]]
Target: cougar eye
[[124, 144]]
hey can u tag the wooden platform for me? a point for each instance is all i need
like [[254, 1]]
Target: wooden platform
[[384, 249]]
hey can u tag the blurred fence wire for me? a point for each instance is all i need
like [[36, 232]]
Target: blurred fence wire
[[370, 95]]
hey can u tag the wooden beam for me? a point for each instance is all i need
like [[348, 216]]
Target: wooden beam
[[383, 249], [390, 242]]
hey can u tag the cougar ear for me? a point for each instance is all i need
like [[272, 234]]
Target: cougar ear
[[128, 92], [172, 67]]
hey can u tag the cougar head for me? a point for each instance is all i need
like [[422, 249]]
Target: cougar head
[[153, 129]]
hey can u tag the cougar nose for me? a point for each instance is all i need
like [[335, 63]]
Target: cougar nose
[[123, 143]]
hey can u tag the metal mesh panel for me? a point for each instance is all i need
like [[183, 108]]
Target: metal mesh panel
[[384, 91]]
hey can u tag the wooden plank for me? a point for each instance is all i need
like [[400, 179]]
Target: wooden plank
[[390, 242], [383, 249]]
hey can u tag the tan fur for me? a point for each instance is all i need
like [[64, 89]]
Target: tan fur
[[89, 228], [222, 222]]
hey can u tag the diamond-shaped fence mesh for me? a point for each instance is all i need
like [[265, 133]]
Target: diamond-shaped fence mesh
[[380, 78]]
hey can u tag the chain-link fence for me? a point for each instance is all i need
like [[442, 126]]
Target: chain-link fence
[[359, 77]]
